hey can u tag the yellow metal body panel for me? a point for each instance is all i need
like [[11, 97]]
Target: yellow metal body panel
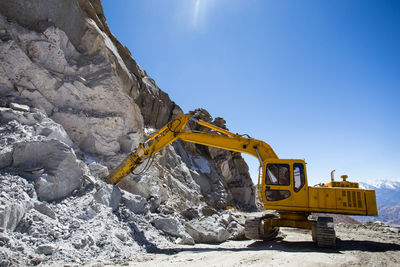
[[322, 197], [342, 184], [290, 219], [339, 200], [370, 198], [304, 224]]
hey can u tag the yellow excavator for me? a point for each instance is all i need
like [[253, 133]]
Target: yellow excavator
[[282, 183]]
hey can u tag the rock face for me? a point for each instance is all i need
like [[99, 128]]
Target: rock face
[[73, 103], [81, 77], [74, 74]]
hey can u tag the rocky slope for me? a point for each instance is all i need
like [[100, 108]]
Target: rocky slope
[[81, 77], [56, 207], [73, 103]]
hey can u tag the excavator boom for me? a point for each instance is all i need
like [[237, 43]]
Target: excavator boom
[[219, 138]]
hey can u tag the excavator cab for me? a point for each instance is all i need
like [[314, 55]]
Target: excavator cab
[[284, 184]]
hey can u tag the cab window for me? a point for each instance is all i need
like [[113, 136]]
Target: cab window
[[298, 176], [278, 174]]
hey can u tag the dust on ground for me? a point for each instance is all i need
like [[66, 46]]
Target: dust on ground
[[356, 246]]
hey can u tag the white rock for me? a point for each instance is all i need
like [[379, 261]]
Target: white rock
[[6, 157], [45, 209], [20, 107], [173, 226], [207, 230], [62, 170], [47, 249], [11, 214], [109, 195], [136, 204], [97, 170]]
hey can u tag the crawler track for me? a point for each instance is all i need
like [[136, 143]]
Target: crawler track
[[252, 228], [324, 233]]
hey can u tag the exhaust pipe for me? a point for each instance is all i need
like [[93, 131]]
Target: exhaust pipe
[[333, 176]]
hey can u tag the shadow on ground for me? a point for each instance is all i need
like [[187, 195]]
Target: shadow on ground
[[296, 246]]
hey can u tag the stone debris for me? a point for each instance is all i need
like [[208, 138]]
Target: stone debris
[[190, 214], [135, 203], [207, 230], [217, 228], [45, 209], [47, 249], [376, 226], [173, 227], [97, 170], [108, 195], [49, 214], [73, 104]]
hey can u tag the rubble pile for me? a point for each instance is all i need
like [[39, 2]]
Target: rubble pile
[[73, 103], [56, 207]]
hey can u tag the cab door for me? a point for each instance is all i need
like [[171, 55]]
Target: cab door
[[285, 185]]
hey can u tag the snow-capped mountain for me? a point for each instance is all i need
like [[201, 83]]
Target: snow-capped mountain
[[387, 191], [388, 201]]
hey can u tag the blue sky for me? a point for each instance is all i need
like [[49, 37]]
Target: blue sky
[[317, 80]]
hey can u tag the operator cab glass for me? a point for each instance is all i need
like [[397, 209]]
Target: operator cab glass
[[298, 176], [277, 174]]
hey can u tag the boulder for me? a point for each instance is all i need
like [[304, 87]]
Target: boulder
[[208, 211], [89, 95], [45, 209], [19, 107], [190, 213], [136, 204], [61, 172], [15, 201], [97, 170], [6, 157], [236, 231], [11, 214], [109, 195], [46, 249], [129, 142], [207, 230], [173, 226]]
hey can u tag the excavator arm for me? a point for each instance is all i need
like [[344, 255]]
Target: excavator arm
[[219, 138]]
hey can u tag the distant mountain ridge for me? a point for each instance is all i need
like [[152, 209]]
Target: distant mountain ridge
[[387, 191], [388, 201]]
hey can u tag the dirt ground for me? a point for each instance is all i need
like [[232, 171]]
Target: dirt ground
[[355, 247]]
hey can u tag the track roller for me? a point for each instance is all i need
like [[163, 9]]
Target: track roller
[[323, 233], [255, 228]]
